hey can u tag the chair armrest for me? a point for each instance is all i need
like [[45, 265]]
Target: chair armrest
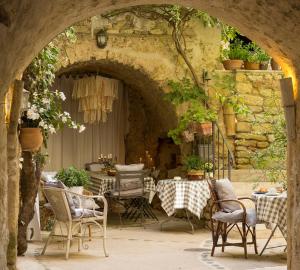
[[87, 197]]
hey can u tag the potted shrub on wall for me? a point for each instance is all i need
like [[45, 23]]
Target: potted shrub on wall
[[252, 57], [75, 179], [194, 167], [264, 59], [233, 55]]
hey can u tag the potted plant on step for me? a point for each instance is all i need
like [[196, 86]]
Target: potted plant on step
[[75, 179], [233, 55], [264, 59], [43, 116], [194, 167]]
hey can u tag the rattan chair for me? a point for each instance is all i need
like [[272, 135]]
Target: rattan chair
[[76, 220], [222, 222]]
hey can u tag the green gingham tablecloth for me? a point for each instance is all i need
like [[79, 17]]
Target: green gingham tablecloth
[[272, 209], [102, 183], [183, 194]]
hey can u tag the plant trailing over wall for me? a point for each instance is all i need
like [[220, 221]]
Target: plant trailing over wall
[[226, 93], [272, 160], [72, 177], [195, 98]]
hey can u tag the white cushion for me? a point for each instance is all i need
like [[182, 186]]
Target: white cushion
[[129, 168], [48, 176], [236, 216], [94, 167], [225, 191]]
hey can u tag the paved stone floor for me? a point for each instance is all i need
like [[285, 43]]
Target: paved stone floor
[[136, 248]]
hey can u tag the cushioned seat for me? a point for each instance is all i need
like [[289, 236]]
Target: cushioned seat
[[236, 216], [86, 213]]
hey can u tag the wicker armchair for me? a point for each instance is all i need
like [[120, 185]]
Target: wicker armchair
[[222, 221], [74, 219]]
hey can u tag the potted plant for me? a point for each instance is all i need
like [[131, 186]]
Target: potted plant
[[274, 65], [75, 179], [252, 57], [233, 55], [264, 59], [44, 115], [197, 118], [209, 169], [194, 167]]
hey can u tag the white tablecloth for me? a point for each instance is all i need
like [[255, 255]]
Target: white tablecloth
[[183, 194]]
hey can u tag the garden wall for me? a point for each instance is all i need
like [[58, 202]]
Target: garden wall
[[260, 91]]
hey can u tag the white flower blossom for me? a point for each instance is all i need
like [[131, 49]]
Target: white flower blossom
[[41, 110], [66, 114], [81, 128], [74, 126], [52, 129], [32, 114], [45, 100], [64, 119], [62, 96]]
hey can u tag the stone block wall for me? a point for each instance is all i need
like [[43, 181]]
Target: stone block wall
[[260, 91]]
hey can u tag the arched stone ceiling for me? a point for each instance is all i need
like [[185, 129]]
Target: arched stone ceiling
[[137, 80]]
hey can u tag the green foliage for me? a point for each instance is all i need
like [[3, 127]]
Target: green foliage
[[272, 160], [228, 33], [73, 177], [185, 91], [227, 94], [234, 51], [193, 162], [45, 106]]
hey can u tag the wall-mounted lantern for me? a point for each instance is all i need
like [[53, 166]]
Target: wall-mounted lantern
[[101, 38]]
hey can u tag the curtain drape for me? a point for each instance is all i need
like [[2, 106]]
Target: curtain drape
[[68, 147]]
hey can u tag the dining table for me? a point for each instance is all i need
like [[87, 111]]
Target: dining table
[[191, 196], [102, 183], [272, 209]]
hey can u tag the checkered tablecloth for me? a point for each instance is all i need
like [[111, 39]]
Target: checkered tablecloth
[[102, 183], [271, 209], [183, 194]]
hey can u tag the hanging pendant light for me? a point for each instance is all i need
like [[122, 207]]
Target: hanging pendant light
[[101, 38]]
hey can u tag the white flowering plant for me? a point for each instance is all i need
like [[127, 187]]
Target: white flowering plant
[[45, 111]]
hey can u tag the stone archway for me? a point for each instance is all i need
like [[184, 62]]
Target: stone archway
[[150, 116], [26, 26]]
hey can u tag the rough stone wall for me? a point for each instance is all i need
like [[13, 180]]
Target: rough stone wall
[[260, 91]]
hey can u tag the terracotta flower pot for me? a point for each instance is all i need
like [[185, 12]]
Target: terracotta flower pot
[[274, 65], [195, 175], [201, 128], [31, 139], [264, 65], [233, 64], [251, 66]]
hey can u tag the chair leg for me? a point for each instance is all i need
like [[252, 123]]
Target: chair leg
[[104, 239], [224, 236], [254, 239], [80, 239], [48, 239], [69, 240], [215, 236], [244, 239]]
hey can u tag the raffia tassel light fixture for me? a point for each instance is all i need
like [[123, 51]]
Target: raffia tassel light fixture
[[96, 95]]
